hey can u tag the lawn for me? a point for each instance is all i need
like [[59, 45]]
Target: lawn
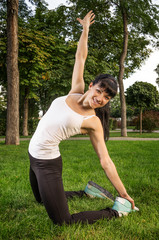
[[137, 163], [136, 134]]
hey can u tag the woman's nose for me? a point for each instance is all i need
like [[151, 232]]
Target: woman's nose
[[100, 98]]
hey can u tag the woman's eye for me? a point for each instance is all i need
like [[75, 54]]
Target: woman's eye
[[107, 98], [98, 90]]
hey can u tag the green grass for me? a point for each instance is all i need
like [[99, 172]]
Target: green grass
[[130, 134], [135, 134], [137, 164]]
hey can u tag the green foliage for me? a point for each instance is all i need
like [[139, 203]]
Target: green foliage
[[32, 125], [38, 57], [3, 52], [58, 80], [113, 124], [2, 126], [147, 124], [3, 112], [140, 16], [115, 107], [45, 65], [107, 33], [33, 57], [142, 95], [157, 71], [150, 121], [3, 103]]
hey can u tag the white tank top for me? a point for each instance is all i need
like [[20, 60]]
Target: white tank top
[[59, 123]]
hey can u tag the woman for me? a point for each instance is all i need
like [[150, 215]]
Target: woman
[[67, 116]]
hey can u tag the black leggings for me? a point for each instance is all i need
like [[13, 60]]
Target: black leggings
[[47, 186]]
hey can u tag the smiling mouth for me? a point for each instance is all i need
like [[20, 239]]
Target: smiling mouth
[[95, 102]]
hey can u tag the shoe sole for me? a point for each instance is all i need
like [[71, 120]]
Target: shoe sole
[[103, 192]]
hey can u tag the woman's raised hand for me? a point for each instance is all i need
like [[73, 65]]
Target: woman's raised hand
[[87, 20]]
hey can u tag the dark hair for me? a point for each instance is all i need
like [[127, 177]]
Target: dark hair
[[110, 86], [108, 83]]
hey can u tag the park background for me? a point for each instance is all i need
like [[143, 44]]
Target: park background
[[47, 41]]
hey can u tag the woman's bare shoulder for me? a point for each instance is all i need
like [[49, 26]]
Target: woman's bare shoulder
[[92, 123]]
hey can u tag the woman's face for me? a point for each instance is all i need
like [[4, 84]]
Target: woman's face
[[98, 97]]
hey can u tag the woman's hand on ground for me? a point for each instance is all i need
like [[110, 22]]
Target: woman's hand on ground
[[130, 200]]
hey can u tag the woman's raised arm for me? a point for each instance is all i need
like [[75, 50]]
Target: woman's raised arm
[[81, 54]]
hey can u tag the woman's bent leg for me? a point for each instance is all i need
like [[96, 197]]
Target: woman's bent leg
[[92, 216], [34, 185], [71, 194], [49, 178]]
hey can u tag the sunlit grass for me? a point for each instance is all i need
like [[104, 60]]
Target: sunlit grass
[[135, 134], [137, 164]]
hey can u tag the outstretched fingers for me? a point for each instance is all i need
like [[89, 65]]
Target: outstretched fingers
[[92, 16], [88, 19]]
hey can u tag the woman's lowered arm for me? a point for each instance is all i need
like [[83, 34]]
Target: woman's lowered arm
[[96, 137]]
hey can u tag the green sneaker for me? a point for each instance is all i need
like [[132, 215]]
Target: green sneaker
[[123, 206], [94, 190]]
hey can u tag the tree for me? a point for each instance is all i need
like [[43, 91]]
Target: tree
[[12, 132], [121, 67], [23, 12], [142, 95]]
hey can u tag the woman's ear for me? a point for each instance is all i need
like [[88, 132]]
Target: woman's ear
[[90, 85]]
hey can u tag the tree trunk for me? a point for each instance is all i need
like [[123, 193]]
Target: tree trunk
[[12, 131], [121, 72], [25, 114], [140, 120]]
